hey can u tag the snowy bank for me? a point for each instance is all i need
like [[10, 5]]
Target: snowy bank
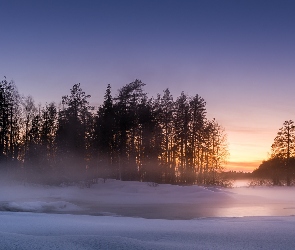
[[29, 231], [138, 199], [46, 217]]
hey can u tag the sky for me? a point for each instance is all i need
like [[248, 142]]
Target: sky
[[238, 55]]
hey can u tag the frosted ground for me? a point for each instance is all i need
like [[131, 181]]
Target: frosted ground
[[134, 215]]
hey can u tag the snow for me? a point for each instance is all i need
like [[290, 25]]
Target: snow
[[55, 231], [134, 215]]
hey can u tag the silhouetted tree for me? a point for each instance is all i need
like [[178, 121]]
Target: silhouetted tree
[[182, 133], [104, 148], [284, 147], [284, 142], [148, 142], [29, 111], [197, 107], [72, 135], [281, 164], [33, 151], [165, 108], [47, 136], [131, 137], [216, 152], [10, 126], [126, 110], [270, 169]]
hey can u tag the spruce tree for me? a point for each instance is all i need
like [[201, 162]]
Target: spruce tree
[[72, 138], [283, 148]]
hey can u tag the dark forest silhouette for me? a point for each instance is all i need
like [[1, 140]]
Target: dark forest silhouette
[[129, 137], [280, 167]]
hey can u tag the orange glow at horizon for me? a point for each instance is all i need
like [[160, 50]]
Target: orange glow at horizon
[[242, 166], [248, 148]]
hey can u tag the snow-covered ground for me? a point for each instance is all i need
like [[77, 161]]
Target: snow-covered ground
[[54, 231], [134, 215]]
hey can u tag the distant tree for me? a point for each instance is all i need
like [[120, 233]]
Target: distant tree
[[284, 143], [192, 148], [148, 142], [47, 136], [28, 112], [216, 151], [283, 147], [33, 151], [197, 107], [182, 133], [72, 135], [165, 109], [104, 148], [126, 110], [9, 124], [270, 169], [281, 164]]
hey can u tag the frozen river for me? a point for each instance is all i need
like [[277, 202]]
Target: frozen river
[[135, 199], [133, 215]]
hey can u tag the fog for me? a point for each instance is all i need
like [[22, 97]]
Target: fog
[[148, 200], [135, 215]]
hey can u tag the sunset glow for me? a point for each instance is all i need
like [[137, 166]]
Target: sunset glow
[[237, 55], [248, 155]]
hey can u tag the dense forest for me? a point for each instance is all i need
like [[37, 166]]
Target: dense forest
[[129, 137], [280, 167]]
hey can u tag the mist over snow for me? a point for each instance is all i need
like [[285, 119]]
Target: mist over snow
[[137, 215], [147, 200]]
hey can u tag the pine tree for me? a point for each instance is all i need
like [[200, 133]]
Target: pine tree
[[216, 151], [148, 142], [47, 137], [284, 148], [284, 142], [126, 110], [165, 108], [182, 133], [34, 153], [197, 107], [28, 113], [72, 135], [9, 125], [104, 150]]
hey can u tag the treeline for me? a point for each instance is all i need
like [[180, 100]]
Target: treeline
[[280, 167], [129, 137]]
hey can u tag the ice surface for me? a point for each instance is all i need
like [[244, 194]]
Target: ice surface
[[138, 199], [198, 217]]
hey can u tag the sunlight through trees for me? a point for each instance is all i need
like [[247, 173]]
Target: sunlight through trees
[[130, 137]]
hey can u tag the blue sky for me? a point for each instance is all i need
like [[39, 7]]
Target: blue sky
[[238, 55]]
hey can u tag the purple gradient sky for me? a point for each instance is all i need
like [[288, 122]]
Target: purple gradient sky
[[238, 55]]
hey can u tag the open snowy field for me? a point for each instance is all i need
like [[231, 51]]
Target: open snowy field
[[54, 231], [134, 215]]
